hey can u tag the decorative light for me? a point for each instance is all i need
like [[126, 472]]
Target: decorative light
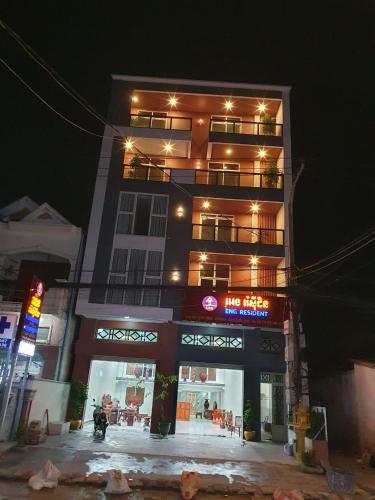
[[129, 144], [229, 151], [262, 153], [254, 260], [180, 212], [262, 107], [255, 208], [134, 98], [228, 105], [206, 204], [198, 164], [173, 101], [203, 257], [168, 147], [200, 121], [175, 276]]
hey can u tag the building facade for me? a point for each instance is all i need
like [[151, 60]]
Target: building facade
[[188, 246]]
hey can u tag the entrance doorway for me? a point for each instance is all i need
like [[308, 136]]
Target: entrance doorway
[[272, 407], [125, 389], [209, 401]]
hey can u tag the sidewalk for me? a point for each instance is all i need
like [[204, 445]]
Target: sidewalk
[[228, 464]]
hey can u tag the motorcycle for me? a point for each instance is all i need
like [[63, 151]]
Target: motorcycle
[[100, 420]]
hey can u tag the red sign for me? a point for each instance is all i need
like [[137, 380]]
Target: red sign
[[29, 319], [252, 309]]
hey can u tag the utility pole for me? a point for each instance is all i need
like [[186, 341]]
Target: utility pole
[[293, 338]]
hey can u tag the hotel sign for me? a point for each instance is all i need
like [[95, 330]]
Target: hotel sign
[[29, 320], [252, 309]]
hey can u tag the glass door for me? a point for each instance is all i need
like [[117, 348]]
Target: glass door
[[224, 174], [217, 227]]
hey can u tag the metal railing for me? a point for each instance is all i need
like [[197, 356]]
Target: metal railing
[[144, 120], [229, 126], [208, 177], [237, 234]]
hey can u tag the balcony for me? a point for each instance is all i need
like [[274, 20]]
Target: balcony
[[237, 126], [237, 234], [161, 121], [205, 177], [225, 271]]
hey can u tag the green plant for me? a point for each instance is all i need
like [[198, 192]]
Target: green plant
[[248, 415], [135, 163], [269, 124], [77, 397], [271, 174], [164, 382], [308, 458], [316, 425]]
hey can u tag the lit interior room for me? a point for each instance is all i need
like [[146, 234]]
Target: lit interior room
[[209, 401], [124, 389]]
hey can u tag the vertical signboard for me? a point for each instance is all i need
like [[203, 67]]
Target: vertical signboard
[[29, 320]]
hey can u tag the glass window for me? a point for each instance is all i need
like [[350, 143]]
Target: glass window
[[142, 215], [43, 334]]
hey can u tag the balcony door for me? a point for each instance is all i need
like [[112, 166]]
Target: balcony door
[[217, 227], [227, 124], [214, 275], [224, 174]]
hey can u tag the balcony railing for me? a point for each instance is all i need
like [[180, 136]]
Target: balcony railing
[[208, 177], [238, 234], [228, 126], [160, 122]]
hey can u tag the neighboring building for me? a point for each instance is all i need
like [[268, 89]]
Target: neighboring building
[[194, 203], [36, 239]]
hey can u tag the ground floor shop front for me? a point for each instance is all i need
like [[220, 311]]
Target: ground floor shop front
[[218, 369]]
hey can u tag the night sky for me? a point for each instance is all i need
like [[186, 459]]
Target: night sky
[[325, 52]]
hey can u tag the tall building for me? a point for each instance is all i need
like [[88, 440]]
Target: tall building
[[186, 250]]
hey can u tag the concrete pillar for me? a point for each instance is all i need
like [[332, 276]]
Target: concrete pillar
[[252, 392], [165, 367]]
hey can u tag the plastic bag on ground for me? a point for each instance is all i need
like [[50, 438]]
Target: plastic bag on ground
[[47, 477], [190, 482], [117, 483]]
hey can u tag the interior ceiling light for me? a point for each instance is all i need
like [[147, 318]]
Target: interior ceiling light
[[228, 105], [168, 147], [262, 153], [134, 98], [228, 151], [262, 107], [129, 144], [206, 204], [203, 257], [255, 208], [254, 261], [173, 101]]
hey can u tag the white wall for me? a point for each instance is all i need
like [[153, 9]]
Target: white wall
[[233, 391], [52, 396]]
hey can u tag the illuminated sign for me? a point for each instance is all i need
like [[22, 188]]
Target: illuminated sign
[[29, 320], [248, 305], [247, 309], [209, 303]]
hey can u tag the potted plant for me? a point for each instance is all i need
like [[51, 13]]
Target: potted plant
[[269, 124], [77, 398], [164, 384], [137, 169], [271, 174], [248, 417]]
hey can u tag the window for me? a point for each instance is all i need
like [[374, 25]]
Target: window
[[214, 275], [142, 214], [43, 335], [228, 124], [150, 119], [216, 227], [224, 174], [135, 267]]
